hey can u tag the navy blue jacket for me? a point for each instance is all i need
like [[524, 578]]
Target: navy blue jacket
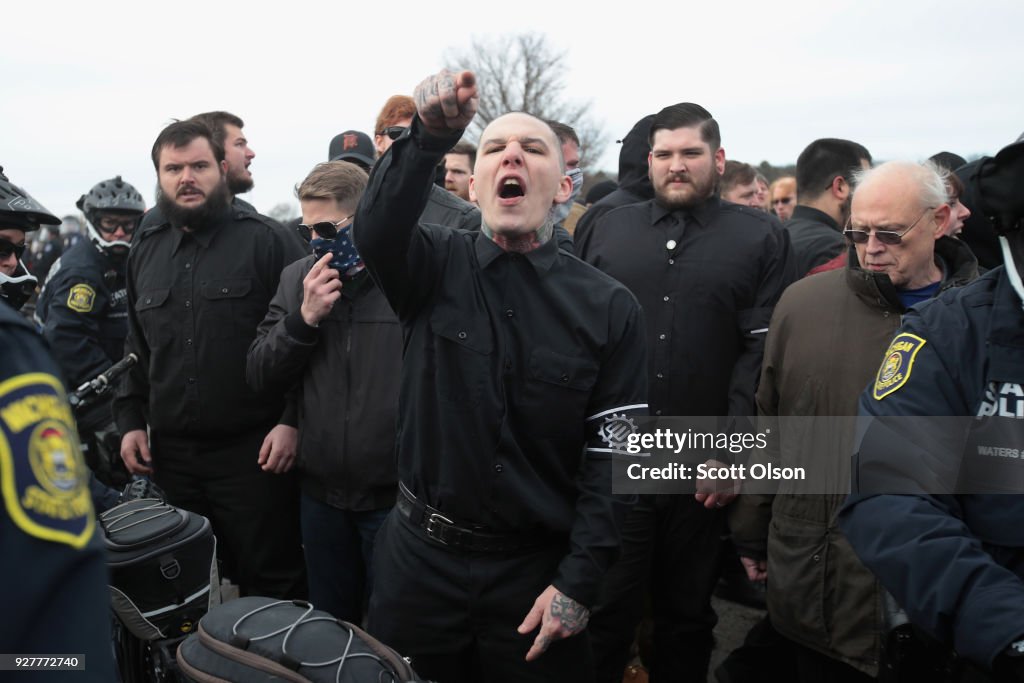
[[925, 516], [83, 309], [53, 571]]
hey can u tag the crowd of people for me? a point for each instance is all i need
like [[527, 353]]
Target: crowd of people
[[399, 406]]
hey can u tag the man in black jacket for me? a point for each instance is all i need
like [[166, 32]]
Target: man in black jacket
[[331, 333], [824, 187], [198, 286], [707, 274]]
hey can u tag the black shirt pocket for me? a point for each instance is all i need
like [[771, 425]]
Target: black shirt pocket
[[463, 353], [155, 316], [557, 392], [227, 309]]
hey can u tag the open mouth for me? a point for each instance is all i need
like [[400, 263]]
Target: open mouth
[[510, 189]]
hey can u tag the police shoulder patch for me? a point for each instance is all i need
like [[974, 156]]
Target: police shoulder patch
[[42, 474], [81, 298], [897, 365]]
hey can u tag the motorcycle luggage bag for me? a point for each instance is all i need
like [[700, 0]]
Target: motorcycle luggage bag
[[257, 640], [163, 567]]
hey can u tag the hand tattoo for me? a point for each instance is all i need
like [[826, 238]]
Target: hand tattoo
[[571, 614]]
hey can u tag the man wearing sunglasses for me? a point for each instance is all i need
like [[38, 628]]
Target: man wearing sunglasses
[[331, 333], [19, 214], [937, 507], [443, 207], [824, 342]]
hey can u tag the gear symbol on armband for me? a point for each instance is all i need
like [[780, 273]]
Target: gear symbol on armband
[[616, 430]]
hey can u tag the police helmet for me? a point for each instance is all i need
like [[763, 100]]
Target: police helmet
[[18, 210], [116, 196]]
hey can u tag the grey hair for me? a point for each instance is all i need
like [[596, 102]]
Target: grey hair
[[932, 188]]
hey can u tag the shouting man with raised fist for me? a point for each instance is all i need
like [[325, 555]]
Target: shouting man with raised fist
[[516, 354]]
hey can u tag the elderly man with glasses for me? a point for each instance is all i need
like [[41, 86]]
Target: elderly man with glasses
[[824, 342], [443, 207]]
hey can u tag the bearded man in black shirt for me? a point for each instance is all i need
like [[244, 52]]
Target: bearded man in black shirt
[[516, 355], [199, 283], [707, 274]]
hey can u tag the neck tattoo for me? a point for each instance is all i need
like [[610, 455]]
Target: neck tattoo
[[521, 243]]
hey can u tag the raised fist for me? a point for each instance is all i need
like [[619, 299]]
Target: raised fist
[[447, 102]]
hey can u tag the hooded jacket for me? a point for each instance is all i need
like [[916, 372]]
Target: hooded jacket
[[634, 184]]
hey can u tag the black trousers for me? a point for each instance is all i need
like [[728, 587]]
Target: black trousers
[[671, 546], [255, 514], [455, 613], [814, 667]]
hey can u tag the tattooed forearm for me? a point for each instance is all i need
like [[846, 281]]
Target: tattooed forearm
[[571, 614]]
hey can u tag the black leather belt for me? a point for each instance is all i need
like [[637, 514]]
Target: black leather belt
[[436, 526]]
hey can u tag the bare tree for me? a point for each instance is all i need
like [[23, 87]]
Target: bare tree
[[523, 72], [283, 212]]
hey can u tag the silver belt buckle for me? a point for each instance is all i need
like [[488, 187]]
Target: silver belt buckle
[[433, 524]]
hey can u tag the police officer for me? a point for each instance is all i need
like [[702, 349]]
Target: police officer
[[83, 307], [955, 559], [53, 568], [16, 283]]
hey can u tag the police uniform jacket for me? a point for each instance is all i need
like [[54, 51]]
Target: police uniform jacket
[[54, 574], [513, 364], [826, 336], [84, 311], [950, 552], [194, 303], [347, 370]]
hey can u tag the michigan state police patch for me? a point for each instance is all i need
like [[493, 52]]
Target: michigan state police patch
[[899, 361], [42, 473], [81, 298]]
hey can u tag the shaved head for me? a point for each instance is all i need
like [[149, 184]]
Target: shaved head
[[552, 140]]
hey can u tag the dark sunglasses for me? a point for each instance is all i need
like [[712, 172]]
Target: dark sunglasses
[[111, 225], [890, 237], [325, 229], [8, 247], [394, 132]]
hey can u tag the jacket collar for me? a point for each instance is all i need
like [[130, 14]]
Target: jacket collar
[[958, 264], [809, 213]]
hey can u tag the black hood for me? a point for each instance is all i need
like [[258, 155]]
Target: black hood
[[633, 159]]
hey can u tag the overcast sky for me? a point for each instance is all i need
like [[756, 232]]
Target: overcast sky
[[87, 86]]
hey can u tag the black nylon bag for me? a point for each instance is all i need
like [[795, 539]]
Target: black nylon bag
[[163, 567], [257, 640]]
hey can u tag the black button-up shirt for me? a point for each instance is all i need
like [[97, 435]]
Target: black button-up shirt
[[707, 280], [513, 363], [194, 303]]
